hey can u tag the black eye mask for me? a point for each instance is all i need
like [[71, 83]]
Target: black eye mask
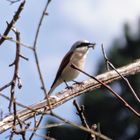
[[86, 44]]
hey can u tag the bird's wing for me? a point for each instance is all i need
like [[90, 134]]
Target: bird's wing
[[63, 64]]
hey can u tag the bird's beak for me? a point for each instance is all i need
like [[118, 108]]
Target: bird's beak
[[91, 45]]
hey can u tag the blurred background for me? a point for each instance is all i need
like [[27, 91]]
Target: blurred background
[[115, 24]]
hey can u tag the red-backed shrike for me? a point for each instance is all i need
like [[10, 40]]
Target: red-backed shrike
[[76, 55]]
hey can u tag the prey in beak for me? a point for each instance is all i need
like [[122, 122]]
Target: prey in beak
[[91, 45]]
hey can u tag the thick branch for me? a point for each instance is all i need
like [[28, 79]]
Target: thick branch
[[88, 85]]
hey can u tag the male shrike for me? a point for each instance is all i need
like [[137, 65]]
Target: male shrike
[[76, 55]]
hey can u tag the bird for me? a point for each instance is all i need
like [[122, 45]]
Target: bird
[[76, 56]]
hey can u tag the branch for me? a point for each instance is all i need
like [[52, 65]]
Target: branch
[[16, 70], [13, 21], [38, 65], [80, 113], [103, 137], [15, 41], [110, 65], [68, 94], [109, 89]]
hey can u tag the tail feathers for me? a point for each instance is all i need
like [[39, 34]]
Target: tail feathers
[[51, 90], [57, 83]]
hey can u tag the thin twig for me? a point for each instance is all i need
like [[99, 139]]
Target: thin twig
[[6, 86], [68, 94], [108, 63], [20, 104], [81, 127], [35, 47], [80, 113], [110, 89], [47, 126], [105, 57], [16, 69], [37, 125], [38, 65], [13, 21], [25, 58], [15, 79], [15, 41], [14, 130]]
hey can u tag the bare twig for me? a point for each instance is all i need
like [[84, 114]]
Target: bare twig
[[47, 126], [110, 89], [105, 57], [15, 79], [81, 127], [37, 125], [16, 69], [25, 58], [66, 95], [35, 47], [108, 63], [80, 113], [20, 104], [15, 114], [13, 21], [14, 130], [19, 81], [6, 86], [15, 41], [38, 66]]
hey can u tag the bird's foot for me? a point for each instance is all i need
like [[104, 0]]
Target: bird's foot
[[69, 87], [78, 83]]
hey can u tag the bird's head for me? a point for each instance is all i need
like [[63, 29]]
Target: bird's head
[[83, 45]]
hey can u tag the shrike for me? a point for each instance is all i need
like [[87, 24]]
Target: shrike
[[76, 55]]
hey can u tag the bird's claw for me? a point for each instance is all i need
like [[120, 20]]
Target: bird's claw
[[69, 87], [78, 83]]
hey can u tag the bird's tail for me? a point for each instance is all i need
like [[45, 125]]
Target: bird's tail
[[51, 90], [54, 85]]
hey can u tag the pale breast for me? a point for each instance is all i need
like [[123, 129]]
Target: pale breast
[[69, 73]]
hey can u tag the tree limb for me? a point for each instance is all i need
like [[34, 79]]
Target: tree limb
[[66, 95]]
